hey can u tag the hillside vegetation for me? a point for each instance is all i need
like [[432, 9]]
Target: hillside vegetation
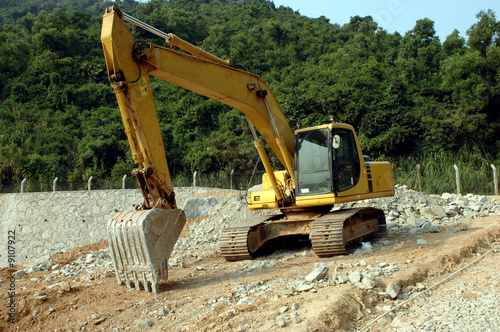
[[408, 96]]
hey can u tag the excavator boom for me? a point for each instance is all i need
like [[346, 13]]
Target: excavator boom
[[199, 71]]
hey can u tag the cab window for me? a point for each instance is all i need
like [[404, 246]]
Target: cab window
[[314, 165]]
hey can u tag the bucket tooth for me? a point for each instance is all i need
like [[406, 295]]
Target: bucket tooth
[[141, 243]]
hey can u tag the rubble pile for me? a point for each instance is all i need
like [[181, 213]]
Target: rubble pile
[[94, 266], [408, 210], [421, 213], [231, 210]]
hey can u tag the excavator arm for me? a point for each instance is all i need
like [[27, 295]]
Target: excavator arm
[[141, 241], [130, 63]]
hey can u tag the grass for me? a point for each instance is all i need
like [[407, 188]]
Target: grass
[[438, 172]]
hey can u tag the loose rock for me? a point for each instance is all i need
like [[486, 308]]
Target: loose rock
[[280, 321], [354, 277], [144, 323], [318, 274], [392, 290]]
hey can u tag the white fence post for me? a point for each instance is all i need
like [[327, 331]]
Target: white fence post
[[90, 183], [495, 179], [22, 185], [123, 181], [54, 184], [231, 179], [194, 178], [457, 178], [419, 178]]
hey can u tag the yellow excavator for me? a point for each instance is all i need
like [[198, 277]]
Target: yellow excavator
[[322, 166]]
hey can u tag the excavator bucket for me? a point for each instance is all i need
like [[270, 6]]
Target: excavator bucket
[[141, 243]]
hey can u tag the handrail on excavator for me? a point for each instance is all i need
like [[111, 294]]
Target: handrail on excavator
[[172, 39]]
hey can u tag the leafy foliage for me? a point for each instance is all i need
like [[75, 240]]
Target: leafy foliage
[[407, 96]]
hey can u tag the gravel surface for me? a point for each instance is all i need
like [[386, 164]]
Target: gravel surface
[[429, 238], [468, 302]]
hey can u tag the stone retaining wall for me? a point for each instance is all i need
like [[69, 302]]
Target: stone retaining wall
[[50, 222]]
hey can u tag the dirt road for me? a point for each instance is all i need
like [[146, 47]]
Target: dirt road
[[271, 293]]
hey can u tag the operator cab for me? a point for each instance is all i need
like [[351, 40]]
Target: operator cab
[[327, 160]]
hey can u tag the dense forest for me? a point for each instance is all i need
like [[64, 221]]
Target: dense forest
[[408, 96]]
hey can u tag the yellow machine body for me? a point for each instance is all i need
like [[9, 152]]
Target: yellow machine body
[[322, 166]]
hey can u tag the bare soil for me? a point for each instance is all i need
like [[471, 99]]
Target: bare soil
[[202, 293]]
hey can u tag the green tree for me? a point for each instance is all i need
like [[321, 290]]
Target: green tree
[[454, 44], [484, 33]]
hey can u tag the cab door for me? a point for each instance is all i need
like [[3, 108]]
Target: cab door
[[346, 166]]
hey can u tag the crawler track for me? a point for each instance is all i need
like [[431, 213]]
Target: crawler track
[[328, 236], [331, 234], [233, 242]]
